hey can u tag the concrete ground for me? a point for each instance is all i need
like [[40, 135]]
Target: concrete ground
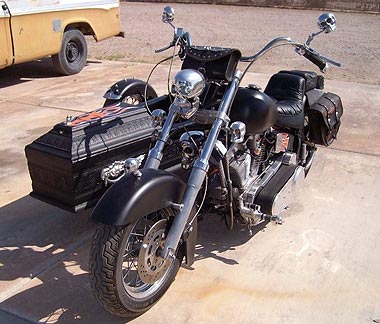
[[321, 266]]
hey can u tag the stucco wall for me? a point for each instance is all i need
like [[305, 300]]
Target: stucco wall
[[340, 5]]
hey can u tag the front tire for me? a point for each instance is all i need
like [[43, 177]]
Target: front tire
[[73, 54], [127, 275]]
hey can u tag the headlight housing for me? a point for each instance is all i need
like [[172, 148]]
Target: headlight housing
[[188, 84], [186, 87]]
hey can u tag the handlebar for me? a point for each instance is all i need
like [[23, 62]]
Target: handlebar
[[302, 49], [164, 48], [180, 37], [313, 57], [183, 39]]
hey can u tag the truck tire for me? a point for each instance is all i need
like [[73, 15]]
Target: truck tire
[[73, 54]]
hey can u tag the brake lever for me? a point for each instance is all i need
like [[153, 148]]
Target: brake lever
[[163, 49], [337, 64]]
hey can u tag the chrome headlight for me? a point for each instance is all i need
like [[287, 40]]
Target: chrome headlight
[[188, 84]]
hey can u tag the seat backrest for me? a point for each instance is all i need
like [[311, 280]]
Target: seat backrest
[[284, 86]]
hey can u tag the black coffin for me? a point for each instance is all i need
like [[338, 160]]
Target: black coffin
[[65, 163]]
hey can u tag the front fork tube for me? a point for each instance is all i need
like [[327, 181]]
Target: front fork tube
[[199, 172], [155, 154]]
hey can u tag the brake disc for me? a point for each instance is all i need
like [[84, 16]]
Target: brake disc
[[151, 266]]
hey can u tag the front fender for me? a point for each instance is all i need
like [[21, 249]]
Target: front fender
[[126, 87], [133, 197]]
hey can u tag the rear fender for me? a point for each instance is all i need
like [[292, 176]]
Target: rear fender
[[129, 86]]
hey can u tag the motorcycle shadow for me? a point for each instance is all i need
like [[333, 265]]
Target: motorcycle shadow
[[44, 253], [214, 238]]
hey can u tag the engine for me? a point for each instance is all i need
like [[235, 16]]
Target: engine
[[240, 173], [245, 162]]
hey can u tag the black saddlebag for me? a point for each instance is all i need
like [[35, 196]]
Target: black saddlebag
[[324, 119], [215, 63], [65, 163]]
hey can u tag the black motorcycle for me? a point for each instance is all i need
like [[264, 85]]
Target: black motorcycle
[[242, 153]]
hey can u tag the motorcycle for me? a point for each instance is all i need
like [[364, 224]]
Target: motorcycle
[[243, 152]]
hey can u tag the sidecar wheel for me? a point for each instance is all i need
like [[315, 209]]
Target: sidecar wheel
[[126, 274], [129, 99]]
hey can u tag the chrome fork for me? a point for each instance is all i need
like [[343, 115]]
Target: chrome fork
[[199, 171], [155, 154]]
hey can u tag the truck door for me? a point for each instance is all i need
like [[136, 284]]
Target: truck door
[[6, 52]]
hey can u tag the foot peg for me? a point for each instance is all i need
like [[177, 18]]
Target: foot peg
[[278, 220]]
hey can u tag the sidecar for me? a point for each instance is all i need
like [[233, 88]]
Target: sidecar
[[65, 164]]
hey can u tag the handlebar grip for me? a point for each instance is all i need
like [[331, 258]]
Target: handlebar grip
[[314, 58]]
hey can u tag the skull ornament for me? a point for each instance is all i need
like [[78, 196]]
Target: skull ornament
[[327, 22], [168, 14], [188, 83]]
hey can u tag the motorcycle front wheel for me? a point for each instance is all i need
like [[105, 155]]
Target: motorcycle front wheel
[[126, 272]]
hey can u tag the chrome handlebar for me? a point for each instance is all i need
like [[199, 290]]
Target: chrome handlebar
[[184, 39], [180, 37], [302, 49]]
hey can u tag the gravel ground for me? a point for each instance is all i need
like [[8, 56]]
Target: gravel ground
[[355, 43]]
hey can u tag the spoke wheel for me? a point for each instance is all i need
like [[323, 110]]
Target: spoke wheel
[[127, 274], [133, 100], [129, 98]]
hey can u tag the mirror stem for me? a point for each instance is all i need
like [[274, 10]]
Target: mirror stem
[[312, 36], [170, 23]]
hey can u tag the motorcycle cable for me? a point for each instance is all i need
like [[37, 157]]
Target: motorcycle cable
[[228, 219], [171, 65], [202, 202], [205, 181], [147, 82], [151, 72]]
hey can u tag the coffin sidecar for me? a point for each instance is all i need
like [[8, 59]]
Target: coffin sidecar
[[65, 164]]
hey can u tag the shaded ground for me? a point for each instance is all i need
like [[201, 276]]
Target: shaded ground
[[355, 43]]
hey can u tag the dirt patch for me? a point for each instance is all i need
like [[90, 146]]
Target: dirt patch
[[355, 42]]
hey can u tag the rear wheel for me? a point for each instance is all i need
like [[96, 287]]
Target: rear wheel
[[127, 274], [73, 54]]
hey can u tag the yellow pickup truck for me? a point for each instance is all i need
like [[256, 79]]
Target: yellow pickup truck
[[32, 29]]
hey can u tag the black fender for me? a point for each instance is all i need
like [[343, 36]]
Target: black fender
[[129, 86], [133, 197]]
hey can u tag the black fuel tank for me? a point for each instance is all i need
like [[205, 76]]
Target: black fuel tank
[[255, 109]]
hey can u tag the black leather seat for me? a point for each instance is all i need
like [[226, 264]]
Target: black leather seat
[[288, 90]]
